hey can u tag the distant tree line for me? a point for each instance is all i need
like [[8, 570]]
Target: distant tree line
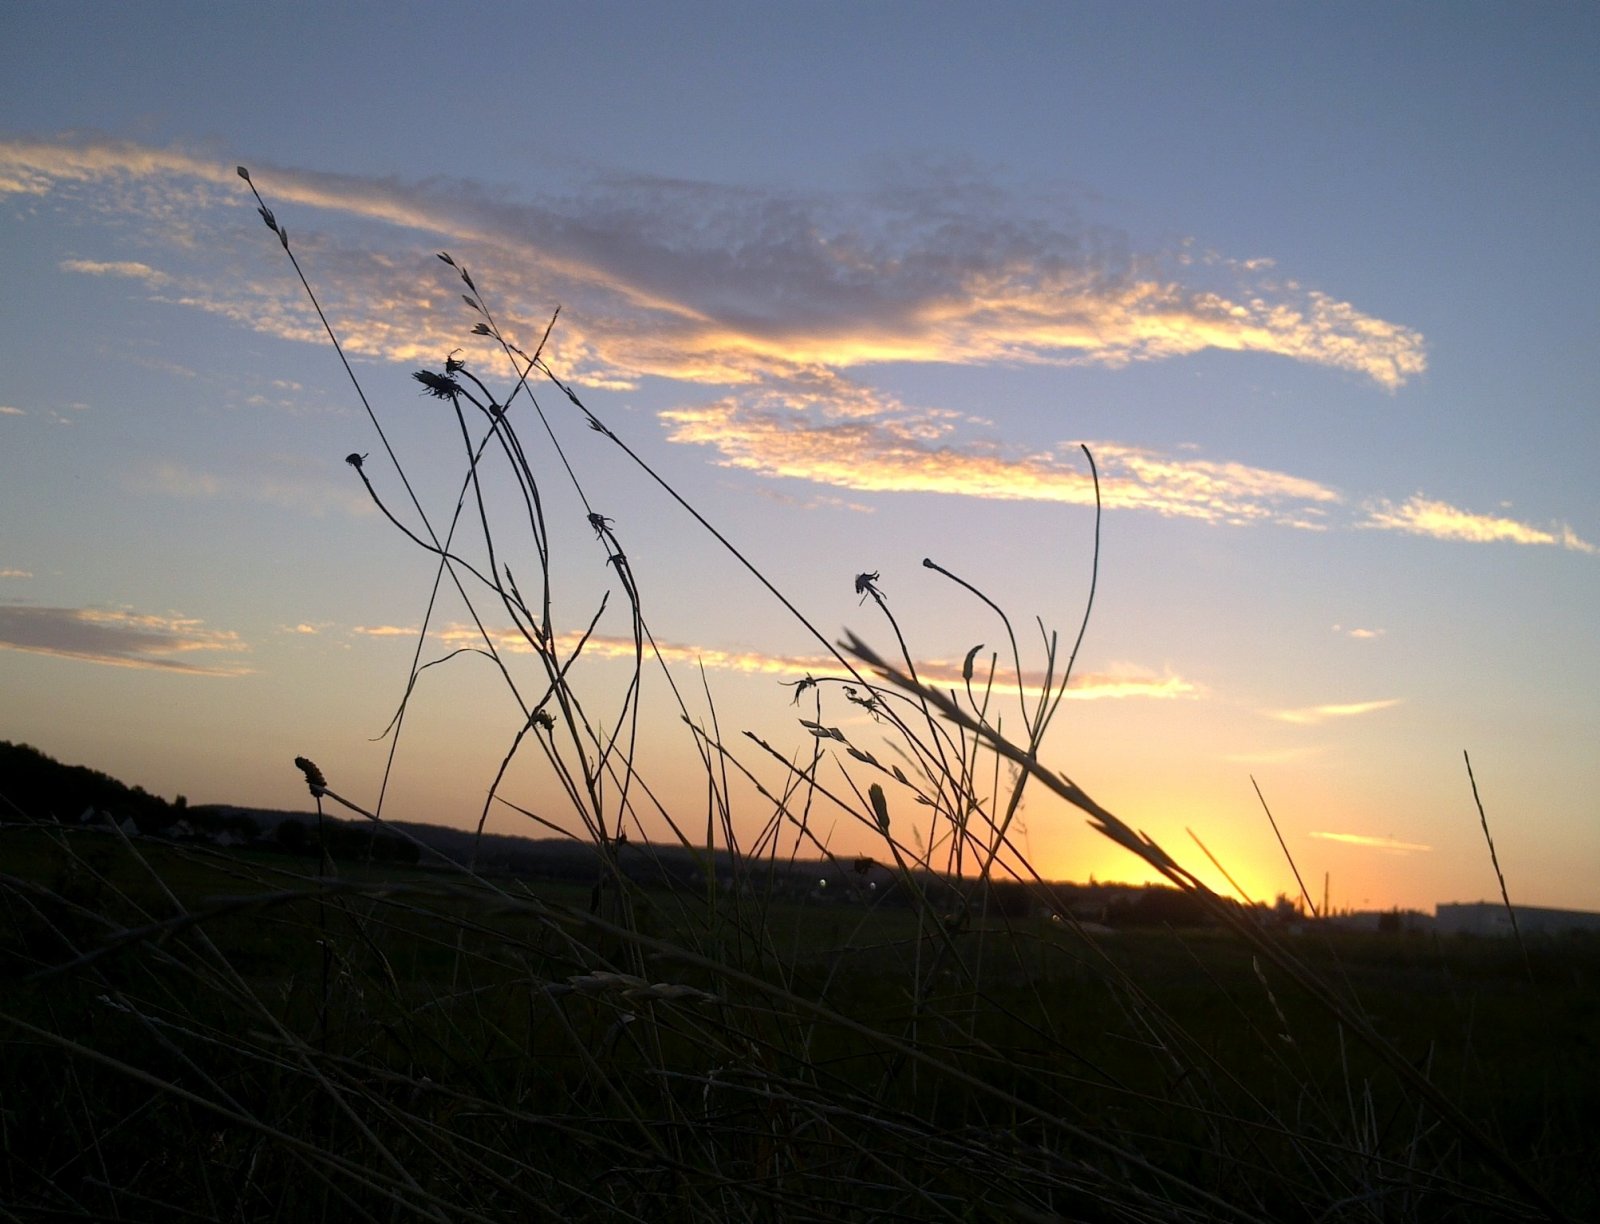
[[34, 786]]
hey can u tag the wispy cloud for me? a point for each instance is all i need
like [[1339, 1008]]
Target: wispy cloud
[[16, 573], [818, 502], [1388, 844], [1361, 635], [1439, 520], [1310, 715], [872, 444], [120, 639], [176, 480], [1125, 680], [9, 410], [126, 268], [783, 301], [1122, 681], [284, 481], [705, 283]]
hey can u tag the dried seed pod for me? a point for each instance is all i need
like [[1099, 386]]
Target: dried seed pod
[[438, 385], [314, 778]]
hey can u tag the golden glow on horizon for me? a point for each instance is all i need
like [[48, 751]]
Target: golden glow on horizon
[[1107, 863]]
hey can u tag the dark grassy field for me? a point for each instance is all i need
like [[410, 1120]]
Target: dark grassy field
[[196, 1034]]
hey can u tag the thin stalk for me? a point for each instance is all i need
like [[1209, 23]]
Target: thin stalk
[[1494, 858]]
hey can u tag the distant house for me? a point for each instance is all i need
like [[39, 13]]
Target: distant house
[[1490, 918]]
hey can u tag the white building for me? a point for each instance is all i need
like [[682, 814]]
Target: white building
[[1490, 918]]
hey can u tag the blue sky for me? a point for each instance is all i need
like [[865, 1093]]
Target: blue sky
[[1316, 286]]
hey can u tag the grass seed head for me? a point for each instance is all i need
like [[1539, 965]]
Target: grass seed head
[[438, 385], [314, 778]]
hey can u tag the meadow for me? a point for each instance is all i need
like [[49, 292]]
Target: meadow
[[208, 1034], [197, 1033]]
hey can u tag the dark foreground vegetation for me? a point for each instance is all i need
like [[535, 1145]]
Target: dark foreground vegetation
[[201, 1027], [236, 1035]]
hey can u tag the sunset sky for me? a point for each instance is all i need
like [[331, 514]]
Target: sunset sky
[[1316, 285]]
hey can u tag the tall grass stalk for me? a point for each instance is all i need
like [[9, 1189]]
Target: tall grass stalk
[[1494, 859]]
